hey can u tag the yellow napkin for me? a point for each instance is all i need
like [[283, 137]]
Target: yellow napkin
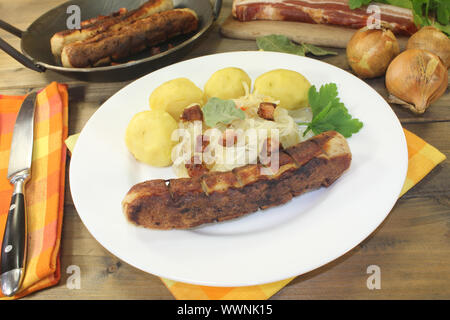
[[45, 190], [422, 158]]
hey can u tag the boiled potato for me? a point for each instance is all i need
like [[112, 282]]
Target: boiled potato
[[175, 95], [148, 137], [287, 86], [227, 84]]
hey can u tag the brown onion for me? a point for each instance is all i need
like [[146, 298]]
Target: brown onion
[[415, 79], [370, 51], [431, 39]]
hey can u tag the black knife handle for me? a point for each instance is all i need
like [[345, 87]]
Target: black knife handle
[[14, 243]]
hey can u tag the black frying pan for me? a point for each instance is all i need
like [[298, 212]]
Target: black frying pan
[[35, 41]]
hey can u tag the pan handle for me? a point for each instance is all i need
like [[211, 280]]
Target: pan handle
[[27, 62], [216, 8], [11, 29]]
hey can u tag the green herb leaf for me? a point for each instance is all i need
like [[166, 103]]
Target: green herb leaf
[[426, 12], [217, 110], [309, 48], [354, 4], [279, 43], [443, 12], [420, 16], [445, 29], [329, 113], [432, 13], [399, 3]]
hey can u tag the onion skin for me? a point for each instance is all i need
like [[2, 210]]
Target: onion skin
[[370, 51], [431, 39], [415, 79]]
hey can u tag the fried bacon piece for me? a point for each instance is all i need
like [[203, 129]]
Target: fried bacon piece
[[218, 196], [270, 151], [229, 138], [266, 110], [201, 143], [270, 146], [192, 113], [196, 167]]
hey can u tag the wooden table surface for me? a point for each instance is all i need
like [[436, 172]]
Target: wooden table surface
[[411, 246]]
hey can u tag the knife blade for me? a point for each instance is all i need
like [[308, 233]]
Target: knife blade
[[14, 245]]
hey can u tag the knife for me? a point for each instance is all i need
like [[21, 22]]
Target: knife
[[14, 245]]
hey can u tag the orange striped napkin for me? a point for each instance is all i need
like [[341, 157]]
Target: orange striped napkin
[[45, 190], [422, 159]]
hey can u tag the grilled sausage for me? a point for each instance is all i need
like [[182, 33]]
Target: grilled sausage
[[218, 196], [91, 21], [101, 24], [133, 38]]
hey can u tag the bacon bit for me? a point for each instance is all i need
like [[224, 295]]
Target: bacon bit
[[201, 143], [155, 50], [270, 146], [266, 110], [196, 168], [229, 138], [192, 114]]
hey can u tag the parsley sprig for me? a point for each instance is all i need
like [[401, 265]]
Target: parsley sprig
[[329, 113]]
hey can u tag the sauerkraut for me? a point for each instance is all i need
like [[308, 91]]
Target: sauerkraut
[[249, 136]]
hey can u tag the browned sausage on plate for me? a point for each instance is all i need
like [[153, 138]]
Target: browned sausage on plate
[[218, 196]]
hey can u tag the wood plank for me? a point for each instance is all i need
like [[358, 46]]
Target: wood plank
[[316, 34], [103, 276], [410, 248], [22, 13], [210, 44]]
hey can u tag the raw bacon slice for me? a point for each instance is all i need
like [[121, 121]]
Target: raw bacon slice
[[334, 12]]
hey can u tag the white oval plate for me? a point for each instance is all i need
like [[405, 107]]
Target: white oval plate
[[271, 245]]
